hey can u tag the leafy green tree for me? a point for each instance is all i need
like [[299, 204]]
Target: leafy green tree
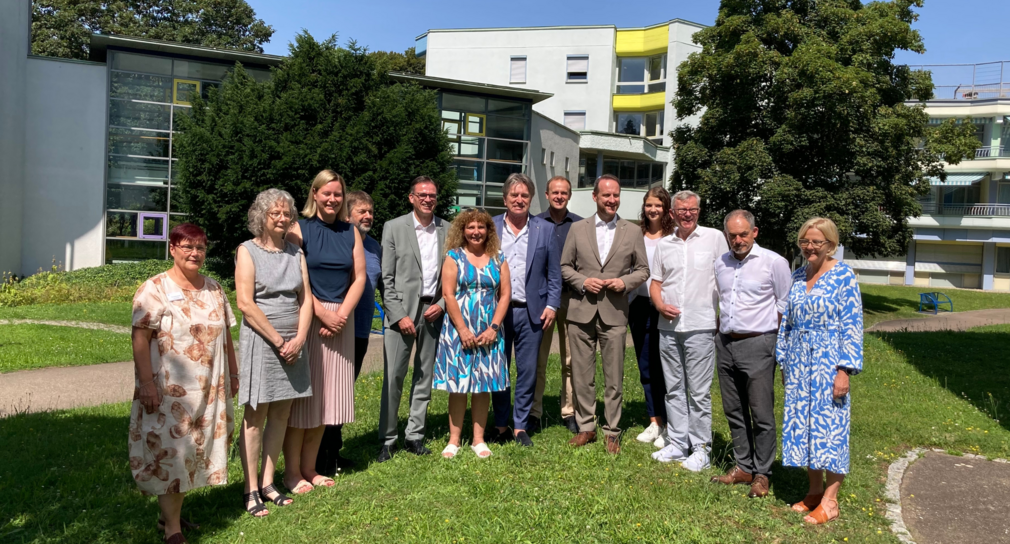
[[63, 28], [408, 62], [324, 107], [805, 115]]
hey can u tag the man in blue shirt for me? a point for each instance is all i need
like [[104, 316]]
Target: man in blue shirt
[[559, 192], [360, 210]]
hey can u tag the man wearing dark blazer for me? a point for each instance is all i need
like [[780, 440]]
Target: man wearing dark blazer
[[412, 295], [528, 244], [604, 258]]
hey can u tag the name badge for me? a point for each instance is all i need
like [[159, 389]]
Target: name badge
[[172, 297], [817, 292]]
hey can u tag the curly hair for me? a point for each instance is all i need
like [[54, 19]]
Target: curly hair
[[665, 220], [456, 237], [265, 201]]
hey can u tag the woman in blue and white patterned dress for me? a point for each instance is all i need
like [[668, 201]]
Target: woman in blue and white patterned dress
[[471, 347], [820, 345]]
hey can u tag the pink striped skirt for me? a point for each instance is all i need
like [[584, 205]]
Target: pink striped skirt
[[331, 365]]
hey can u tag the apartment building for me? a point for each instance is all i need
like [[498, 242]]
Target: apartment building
[[613, 86]]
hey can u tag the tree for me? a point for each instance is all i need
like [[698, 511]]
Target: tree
[[324, 107], [63, 28], [805, 115], [408, 62]]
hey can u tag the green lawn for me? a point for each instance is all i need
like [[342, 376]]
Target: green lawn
[[109, 313], [886, 302], [918, 389], [24, 347]]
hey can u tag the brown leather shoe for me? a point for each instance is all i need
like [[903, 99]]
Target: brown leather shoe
[[759, 487], [736, 475], [613, 444], [582, 439]]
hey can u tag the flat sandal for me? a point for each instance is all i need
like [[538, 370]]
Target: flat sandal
[[820, 515], [280, 499], [808, 503], [257, 506]]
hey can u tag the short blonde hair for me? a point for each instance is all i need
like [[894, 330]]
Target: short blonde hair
[[322, 178], [827, 228]]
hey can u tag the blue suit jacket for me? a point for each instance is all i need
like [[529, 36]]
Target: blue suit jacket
[[543, 266]]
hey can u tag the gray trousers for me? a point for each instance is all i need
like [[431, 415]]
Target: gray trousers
[[747, 383], [583, 339], [688, 360], [396, 358]]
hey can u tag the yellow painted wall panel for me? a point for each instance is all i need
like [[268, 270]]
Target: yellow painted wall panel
[[897, 278], [641, 42], [972, 281], [639, 102], [922, 279], [1001, 283]]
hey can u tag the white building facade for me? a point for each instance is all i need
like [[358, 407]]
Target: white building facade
[[613, 86]]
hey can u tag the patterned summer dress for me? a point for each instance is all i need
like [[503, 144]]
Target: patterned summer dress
[[820, 331], [183, 444], [479, 370]]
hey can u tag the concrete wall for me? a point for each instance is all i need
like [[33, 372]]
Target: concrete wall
[[15, 24], [680, 48], [483, 56], [553, 137], [64, 165]]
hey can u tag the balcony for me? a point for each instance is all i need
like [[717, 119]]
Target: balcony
[[992, 152], [967, 210], [982, 81]]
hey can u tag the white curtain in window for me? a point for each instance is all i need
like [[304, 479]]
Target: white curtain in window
[[517, 70], [578, 64]]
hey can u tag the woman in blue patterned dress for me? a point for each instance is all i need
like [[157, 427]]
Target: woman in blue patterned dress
[[820, 345], [471, 348]]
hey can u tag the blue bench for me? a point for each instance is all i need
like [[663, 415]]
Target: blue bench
[[934, 299], [381, 315]]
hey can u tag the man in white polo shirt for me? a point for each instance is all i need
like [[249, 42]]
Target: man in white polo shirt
[[753, 292], [683, 290]]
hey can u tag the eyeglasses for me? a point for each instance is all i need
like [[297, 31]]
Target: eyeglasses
[[686, 211], [187, 249], [425, 196], [816, 244], [277, 215]]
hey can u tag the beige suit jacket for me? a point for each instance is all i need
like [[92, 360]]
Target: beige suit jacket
[[580, 259]]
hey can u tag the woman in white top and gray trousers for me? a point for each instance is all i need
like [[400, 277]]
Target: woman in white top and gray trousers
[[683, 290]]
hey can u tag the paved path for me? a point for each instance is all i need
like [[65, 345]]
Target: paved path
[[75, 324], [957, 321], [956, 499]]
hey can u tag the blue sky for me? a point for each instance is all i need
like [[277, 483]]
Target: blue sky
[[955, 31]]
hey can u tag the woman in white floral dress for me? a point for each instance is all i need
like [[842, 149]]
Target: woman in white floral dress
[[181, 421]]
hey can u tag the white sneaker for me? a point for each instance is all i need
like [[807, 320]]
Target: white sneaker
[[660, 442], [697, 462], [650, 434], [669, 454]]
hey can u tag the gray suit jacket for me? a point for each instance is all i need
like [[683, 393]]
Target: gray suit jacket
[[401, 268], [580, 260]]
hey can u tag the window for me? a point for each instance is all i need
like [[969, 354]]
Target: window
[[1003, 195], [640, 174], [648, 124], [1003, 260], [517, 70], [578, 69], [475, 124], [638, 75], [543, 155], [568, 164], [184, 90], [628, 123], [575, 120], [552, 159]]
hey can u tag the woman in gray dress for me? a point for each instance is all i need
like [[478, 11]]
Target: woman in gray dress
[[271, 283]]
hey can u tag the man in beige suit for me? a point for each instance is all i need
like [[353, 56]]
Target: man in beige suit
[[603, 259]]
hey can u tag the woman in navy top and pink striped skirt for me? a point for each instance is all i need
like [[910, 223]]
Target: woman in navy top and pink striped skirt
[[335, 258]]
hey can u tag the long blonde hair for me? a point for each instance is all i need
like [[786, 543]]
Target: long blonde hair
[[456, 237], [322, 178]]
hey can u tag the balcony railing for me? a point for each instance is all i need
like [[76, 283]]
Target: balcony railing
[[992, 151], [969, 210], [981, 81]]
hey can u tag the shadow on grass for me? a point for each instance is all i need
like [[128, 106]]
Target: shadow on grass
[[970, 364], [880, 304]]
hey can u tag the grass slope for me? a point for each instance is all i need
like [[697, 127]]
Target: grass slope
[[24, 347], [64, 476]]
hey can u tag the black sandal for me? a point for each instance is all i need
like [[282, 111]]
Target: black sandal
[[183, 522], [257, 507], [280, 499]]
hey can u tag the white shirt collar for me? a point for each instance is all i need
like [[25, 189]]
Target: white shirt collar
[[598, 221], [508, 225], [419, 226], [755, 252]]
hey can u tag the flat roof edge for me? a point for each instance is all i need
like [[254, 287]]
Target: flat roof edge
[[470, 86], [559, 27], [101, 42], [69, 61]]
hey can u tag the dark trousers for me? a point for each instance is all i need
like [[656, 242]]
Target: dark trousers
[[333, 436], [525, 337], [747, 382], [643, 320]]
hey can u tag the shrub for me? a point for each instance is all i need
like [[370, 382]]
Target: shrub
[[108, 283]]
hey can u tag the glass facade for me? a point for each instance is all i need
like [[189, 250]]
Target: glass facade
[[147, 93], [490, 140], [648, 124], [639, 75], [633, 174]]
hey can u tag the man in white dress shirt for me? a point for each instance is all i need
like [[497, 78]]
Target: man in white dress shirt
[[753, 293], [683, 290]]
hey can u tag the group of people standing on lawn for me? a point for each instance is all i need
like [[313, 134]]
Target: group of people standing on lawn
[[464, 298]]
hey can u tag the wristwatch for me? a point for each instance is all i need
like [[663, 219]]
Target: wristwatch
[[495, 327]]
